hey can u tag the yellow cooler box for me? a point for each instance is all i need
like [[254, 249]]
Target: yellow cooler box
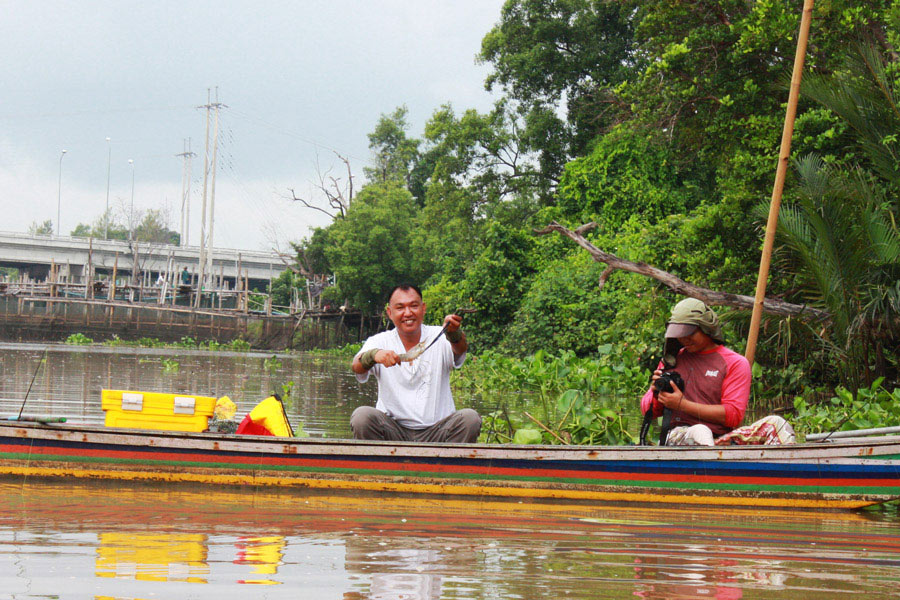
[[151, 410]]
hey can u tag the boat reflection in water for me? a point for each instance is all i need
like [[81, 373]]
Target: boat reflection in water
[[153, 556], [102, 539], [263, 553]]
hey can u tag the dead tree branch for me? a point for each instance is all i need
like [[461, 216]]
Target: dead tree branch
[[338, 193], [678, 285]]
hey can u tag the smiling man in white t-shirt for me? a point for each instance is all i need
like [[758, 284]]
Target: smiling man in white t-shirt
[[414, 399]]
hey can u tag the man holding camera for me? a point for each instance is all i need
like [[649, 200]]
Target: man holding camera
[[716, 382]]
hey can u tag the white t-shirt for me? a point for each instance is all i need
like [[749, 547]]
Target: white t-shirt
[[415, 394]]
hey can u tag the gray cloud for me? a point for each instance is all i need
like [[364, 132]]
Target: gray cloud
[[300, 79]]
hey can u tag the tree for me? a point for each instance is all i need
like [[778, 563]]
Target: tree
[[675, 283], [370, 249], [481, 152], [562, 309], [283, 287], [470, 171], [154, 228], [715, 73], [105, 224], [495, 282], [865, 93], [312, 259], [562, 57], [627, 173], [395, 154], [845, 255], [151, 226], [311, 263], [337, 191], [472, 167], [841, 231], [45, 228]]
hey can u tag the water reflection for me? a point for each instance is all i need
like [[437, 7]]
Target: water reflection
[[396, 572], [61, 539], [181, 541], [153, 557], [322, 390], [264, 553]]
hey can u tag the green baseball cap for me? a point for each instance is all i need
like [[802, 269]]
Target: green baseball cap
[[691, 314], [687, 316]]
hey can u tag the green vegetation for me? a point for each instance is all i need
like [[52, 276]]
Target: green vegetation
[[576, 399], [660, 122], [238, 345], [345, 350], [188, 343], [381, 217], [621, 113], [287, 393], [150, 226], [79, 339], [272, 364], [871, 406], [299, 432], [45, 228]]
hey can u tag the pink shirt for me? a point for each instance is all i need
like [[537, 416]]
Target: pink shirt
[[718, 376]]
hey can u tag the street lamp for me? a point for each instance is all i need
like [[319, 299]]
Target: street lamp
[[131, 210], [108, 165], [59, 192]]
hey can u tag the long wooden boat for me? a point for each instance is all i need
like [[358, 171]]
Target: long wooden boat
[[840, 474]]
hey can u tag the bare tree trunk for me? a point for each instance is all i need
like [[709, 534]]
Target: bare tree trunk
[[678, 285]]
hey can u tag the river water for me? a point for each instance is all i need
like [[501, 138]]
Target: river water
[[116, 540], [322, 392]]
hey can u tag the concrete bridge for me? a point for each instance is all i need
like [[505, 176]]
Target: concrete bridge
[[34, 255]]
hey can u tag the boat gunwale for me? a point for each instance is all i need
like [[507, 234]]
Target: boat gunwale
[[843, 452]]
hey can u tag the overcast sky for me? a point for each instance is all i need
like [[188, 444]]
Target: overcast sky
[[300, 80]]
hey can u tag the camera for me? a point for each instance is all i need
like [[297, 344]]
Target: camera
[[665, 381]]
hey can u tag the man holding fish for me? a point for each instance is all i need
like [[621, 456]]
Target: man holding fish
[[412, 364]]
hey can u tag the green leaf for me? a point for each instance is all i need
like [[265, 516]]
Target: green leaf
[[527, 436]]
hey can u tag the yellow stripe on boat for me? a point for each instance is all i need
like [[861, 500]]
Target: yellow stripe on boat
[[438, 489]]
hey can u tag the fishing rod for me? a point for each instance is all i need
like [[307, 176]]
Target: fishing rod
[[33, 377], [417, 350], [839, 425]]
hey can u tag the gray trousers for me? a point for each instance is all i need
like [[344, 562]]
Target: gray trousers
[[369, 423]]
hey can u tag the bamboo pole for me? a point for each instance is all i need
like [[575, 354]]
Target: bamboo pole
[[547, 429], [780, 174]]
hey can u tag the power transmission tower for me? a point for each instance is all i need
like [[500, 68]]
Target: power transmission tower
[[207, 240], [212, 187], [187, 155]]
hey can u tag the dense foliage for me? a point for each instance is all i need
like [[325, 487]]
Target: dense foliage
[[659, 121]]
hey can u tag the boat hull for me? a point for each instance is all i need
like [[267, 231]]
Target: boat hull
[[832, 475]]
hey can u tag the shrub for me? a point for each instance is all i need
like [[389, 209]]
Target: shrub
[[79, 339], [872, 406]]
